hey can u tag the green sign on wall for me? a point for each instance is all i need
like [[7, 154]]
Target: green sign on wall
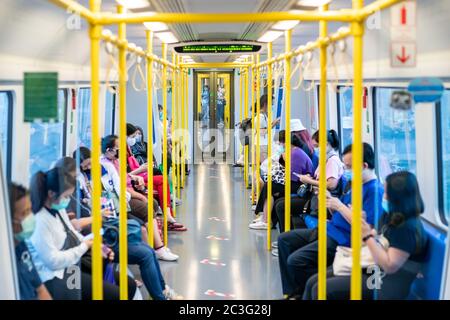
[[40, 96]]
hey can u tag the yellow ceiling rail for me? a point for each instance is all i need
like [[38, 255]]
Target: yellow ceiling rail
[[105, 18], [214, 65]]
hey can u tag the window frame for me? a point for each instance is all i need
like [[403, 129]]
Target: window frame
[[440, 162], [339, 118], [9, 134]]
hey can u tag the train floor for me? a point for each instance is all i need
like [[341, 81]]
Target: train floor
[[220, 257]]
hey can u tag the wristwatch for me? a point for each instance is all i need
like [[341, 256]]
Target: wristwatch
[[367, 237]]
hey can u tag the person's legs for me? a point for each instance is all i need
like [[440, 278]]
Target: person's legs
[[158, 185], [288, 243], [145, 257], [261, 200], [338, 287], [297, 205], [110, 291], [302, 263]]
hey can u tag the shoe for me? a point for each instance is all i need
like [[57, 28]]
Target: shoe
[[165, 254], [238, 165], [274, 252], [170, 294], [257, 219], [258, 225], [174, 226], [254, 207], [275, 244]]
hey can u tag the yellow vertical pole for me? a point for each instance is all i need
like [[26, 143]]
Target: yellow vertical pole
[[180, 125], [149, 36], [253, 128], [357, 160], [287, 85], [258, 127], [186, 110], [241, 104], [123, 238], [164, 149], [174, 142], [246, 116], [184, 135], [269, 144], [97, 261], [322, 227]]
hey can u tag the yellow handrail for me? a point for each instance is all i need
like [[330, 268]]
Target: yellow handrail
[[258, 128], [149, 38], [164, 149], [287, 159], [322, 226], [174, 128], [357, 160], [269, 146], [97, 261], [246, 165], [123, 239], [253, 128]]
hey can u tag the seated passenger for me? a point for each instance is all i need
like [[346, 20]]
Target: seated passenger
[[298, 249], [298, 129], [400, 263], [334, 172], [57, 247], [139, 149], [84, 183], [135, 168], [137, 201], [23, 223], [300, 164]]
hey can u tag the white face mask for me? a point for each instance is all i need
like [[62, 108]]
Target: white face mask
[[131, 141]]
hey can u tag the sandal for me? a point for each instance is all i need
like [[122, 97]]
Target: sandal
[[176, 227]]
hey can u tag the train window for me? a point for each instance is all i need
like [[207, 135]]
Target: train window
[[47, 139], [345, 110], [84, 116], [395, 135], [110, 112], [444, 161], [6, 129]]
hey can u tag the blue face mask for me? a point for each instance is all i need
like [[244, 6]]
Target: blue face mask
[[282, 149], [138, 138], [385, 205], [63, 204], [28, 225], [161, 116], [348, 174], [316, 150]]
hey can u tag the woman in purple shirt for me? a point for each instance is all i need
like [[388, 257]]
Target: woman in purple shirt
[[300, 164]]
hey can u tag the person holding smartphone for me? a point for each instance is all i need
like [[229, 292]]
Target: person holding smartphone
[[300, 163]]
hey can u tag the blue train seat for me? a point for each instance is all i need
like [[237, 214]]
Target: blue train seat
[[428, 283]]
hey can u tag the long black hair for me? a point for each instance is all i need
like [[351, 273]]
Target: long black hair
[[56, 180], [404, 197], [82, 152]]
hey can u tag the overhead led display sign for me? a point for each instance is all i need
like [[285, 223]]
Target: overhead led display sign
[[218, 48]]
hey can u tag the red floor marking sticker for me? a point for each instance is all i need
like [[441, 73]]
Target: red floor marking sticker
[[217, 219], [216, 238], [213, 293], [213, 263]]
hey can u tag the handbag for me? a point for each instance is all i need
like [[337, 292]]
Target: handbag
[[278, 173], [343, 260], [111, 232]]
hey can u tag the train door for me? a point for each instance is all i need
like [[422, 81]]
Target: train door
[[213, 117]]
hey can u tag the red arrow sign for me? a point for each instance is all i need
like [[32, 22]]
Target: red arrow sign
[[404, 57], [403, 15]]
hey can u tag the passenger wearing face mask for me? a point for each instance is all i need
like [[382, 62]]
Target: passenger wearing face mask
[[334, 172], [23, 221], [57, 247], [139, 149], [298, 249]]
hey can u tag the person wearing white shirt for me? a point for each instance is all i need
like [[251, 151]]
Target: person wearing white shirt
[[56, 247]]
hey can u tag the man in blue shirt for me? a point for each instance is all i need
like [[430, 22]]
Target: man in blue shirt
[[30, 285], [298, 249]]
